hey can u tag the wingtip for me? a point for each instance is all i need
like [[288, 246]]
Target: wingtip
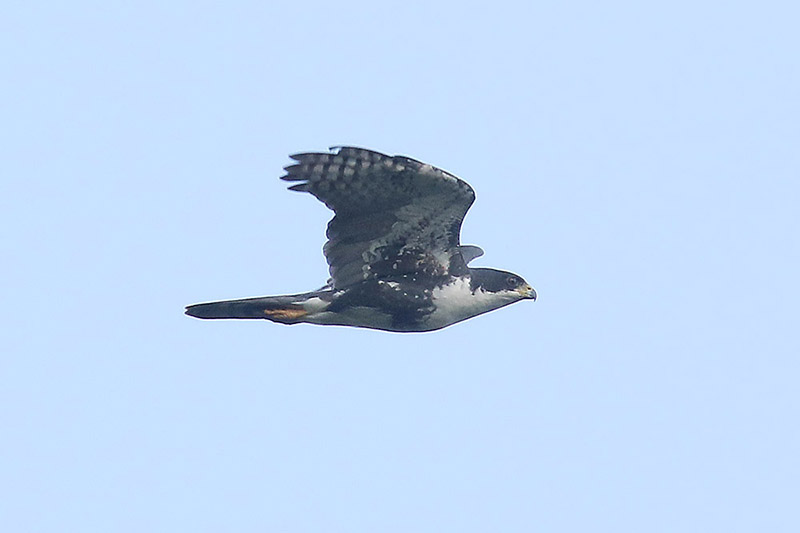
[[191, 310], [292, 172], [302, 155]]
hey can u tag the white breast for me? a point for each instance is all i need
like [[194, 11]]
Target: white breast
[[456, 302]]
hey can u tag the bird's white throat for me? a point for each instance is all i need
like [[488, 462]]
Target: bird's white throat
[[456, 301]]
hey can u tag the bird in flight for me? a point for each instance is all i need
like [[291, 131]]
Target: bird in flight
[[394, 251]]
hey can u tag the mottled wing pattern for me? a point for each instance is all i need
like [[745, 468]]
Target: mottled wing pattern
[[394, 216]]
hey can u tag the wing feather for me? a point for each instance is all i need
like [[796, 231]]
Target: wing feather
[[393, 215]]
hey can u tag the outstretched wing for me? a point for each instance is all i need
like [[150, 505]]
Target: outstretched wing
[[394, 216]]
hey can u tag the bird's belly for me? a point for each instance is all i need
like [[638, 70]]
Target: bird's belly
[[358, 316], [446, 305]]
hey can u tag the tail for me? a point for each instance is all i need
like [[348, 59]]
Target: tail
[[285, 309]]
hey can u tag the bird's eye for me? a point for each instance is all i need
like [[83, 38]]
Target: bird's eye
[[511, 281]]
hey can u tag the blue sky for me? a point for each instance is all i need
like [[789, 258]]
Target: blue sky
[[637, 163]]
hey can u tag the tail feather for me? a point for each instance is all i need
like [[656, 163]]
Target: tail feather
[[286, 309]]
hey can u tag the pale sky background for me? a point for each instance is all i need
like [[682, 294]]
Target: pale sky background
[[637, 162]]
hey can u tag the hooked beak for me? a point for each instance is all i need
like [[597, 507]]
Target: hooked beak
[[528, 292]]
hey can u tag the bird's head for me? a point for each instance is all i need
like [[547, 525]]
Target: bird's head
[[501, 283]]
